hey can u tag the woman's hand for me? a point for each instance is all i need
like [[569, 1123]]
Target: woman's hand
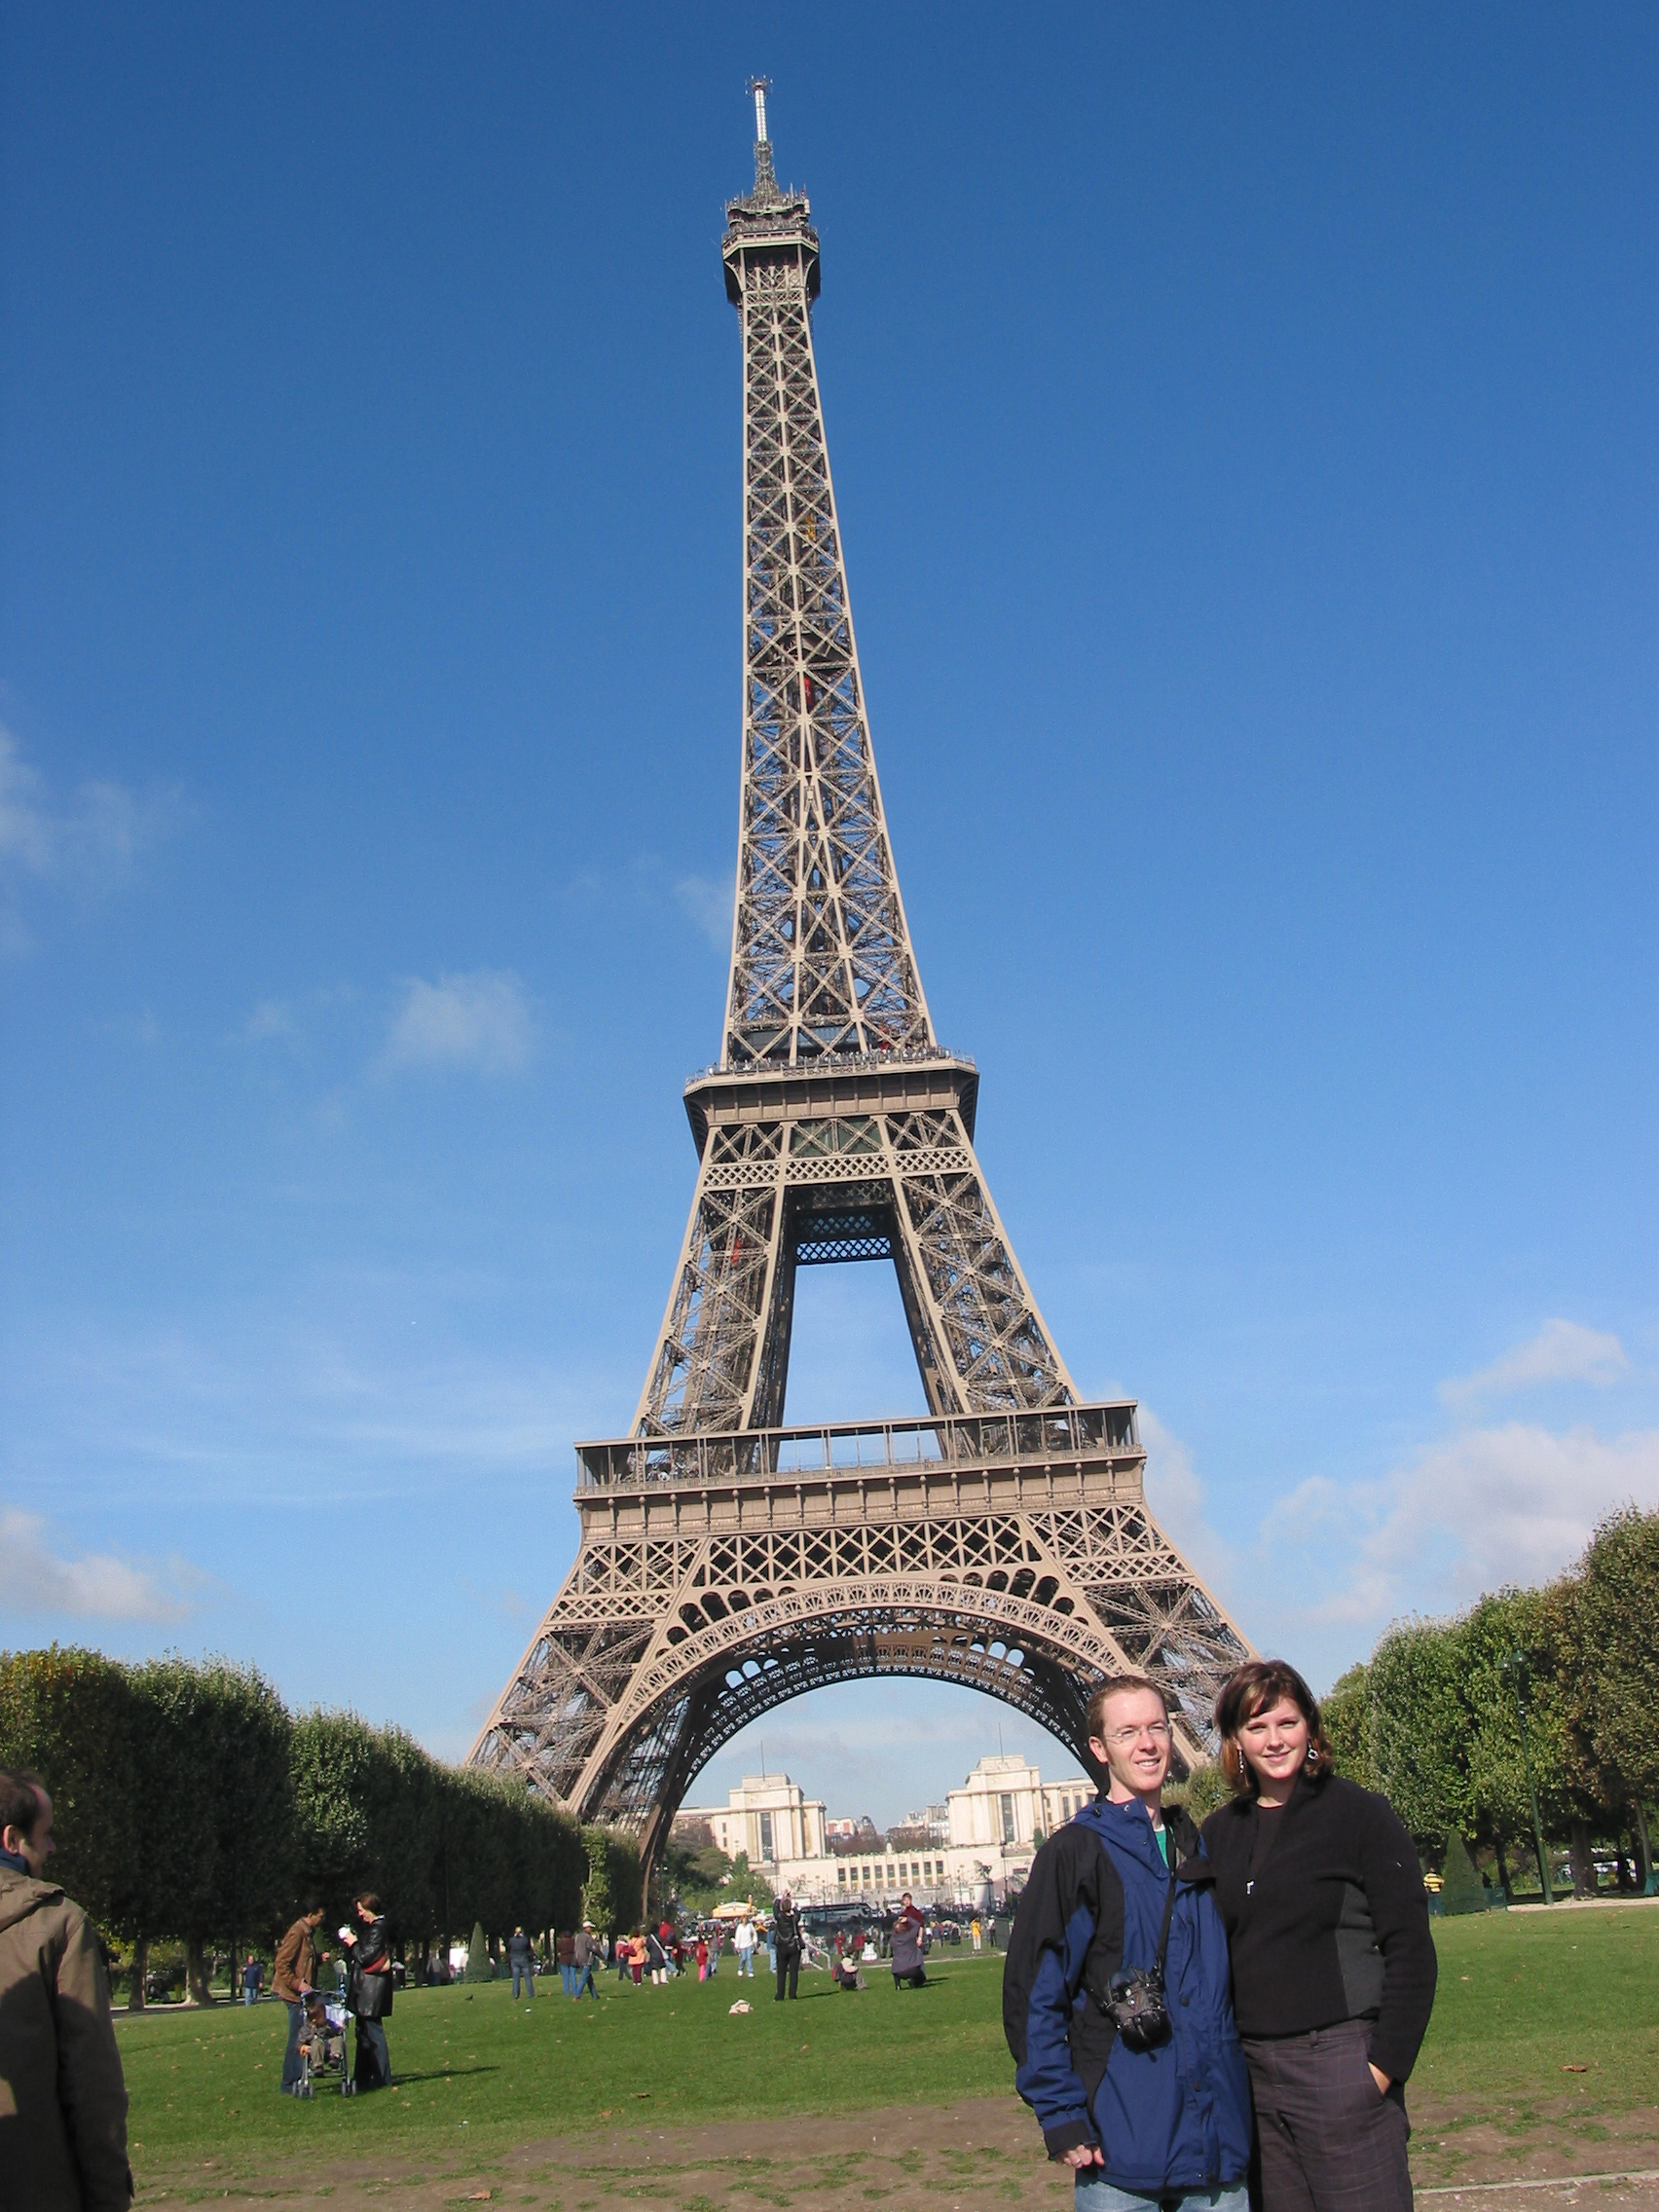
[[1082, 2154], [1382, 2080]]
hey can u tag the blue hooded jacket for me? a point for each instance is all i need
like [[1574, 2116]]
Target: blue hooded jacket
[[1174, 2118]]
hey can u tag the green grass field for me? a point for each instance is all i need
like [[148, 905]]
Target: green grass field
[[1521, 1999]]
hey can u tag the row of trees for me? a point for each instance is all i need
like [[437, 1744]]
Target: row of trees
[[1549, 1695], [191, 1805]]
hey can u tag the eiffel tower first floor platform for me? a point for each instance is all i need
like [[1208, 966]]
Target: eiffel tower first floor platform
[[721, 1574]]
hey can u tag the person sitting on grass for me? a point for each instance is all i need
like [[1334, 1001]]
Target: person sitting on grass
[[906, 1956]]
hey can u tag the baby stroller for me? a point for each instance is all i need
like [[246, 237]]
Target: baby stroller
[[323, 2047]]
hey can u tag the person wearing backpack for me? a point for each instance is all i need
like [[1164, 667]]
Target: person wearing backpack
[[1116, 1990]]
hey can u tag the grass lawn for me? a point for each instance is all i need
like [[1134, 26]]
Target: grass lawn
[[1521, 1999]]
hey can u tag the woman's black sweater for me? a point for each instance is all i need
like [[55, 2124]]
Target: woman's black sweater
[[1326, 1918]]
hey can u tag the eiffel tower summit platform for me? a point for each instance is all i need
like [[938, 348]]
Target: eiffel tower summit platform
[[729, 1562]]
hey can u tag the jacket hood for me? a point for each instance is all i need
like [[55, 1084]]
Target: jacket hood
[[23, 1893], [1126, 1828]]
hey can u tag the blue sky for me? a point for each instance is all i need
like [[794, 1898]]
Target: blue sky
[[1244, 432]]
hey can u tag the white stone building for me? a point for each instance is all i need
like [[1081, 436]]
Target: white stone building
[[988, 1836]]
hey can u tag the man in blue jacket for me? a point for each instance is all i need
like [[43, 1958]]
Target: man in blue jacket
[[1150, 2113]]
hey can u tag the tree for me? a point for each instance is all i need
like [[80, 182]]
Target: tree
[[1606, 1612], [1346, 1710], [68, 1715], [597, 1902], [1418, 1728]]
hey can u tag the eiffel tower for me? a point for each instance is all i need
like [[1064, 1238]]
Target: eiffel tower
[[727, 1562]]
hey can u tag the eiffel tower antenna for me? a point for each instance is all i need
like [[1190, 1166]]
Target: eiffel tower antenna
[[728, 1562]]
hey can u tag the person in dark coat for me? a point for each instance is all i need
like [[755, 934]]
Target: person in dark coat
[[1124, 1887], [368, 1991], [906, 1957], [788, 1936], [521, 1964], [1334, 1968]]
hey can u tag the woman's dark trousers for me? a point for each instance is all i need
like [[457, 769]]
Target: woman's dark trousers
[[789, 1969], [1329, 2140], [373, 2070]]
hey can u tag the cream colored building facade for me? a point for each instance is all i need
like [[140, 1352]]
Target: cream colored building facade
[[992, 1827]]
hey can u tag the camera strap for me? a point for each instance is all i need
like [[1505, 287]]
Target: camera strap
[[1163, 1932]]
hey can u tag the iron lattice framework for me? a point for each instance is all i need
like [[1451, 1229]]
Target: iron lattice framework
[[728, 1562]]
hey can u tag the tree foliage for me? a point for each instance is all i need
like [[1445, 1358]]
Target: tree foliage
[[190, 1805]]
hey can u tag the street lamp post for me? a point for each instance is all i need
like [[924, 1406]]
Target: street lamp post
[[1514, 1666]]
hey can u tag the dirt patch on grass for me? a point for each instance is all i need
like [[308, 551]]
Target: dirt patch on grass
[[973, 2156]]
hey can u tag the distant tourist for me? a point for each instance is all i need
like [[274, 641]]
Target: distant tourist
[[253, 1973], [521, 1963], [368, 1990], [587, 1951], [565, 1955], [976, 1930], [1115, 1993], [1333, 1964], [63, 2098], [906, 1954], [292, 1978], [788, 1939], [743, 1943]]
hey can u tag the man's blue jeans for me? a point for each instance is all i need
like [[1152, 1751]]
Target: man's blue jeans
[[291, 2057], [1096, 2194], [582, 1978], [526, 1974]]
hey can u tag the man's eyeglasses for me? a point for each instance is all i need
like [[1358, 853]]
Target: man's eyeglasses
[[1122, 1738]]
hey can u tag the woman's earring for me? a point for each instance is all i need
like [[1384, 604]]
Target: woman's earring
[[1312, 1754]]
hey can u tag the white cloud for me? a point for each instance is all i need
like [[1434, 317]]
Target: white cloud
[[1489, 1506], [1176, 1496], [709, 902], [269, 1018], [95, 834], [89, 842], [1561, 1351], [482, 1021], [33, 1579]]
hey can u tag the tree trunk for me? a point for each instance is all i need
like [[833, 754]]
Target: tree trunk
[[140, 1971], [1503, 1873], [1645, 1865], [196, 1988], [1583, 1860]]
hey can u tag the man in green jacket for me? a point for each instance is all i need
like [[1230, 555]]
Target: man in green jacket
[[63, 2098]]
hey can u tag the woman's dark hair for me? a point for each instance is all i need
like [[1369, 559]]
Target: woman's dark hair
[[1250, 1689], [371, 1903]]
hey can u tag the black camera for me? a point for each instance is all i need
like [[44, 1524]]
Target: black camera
[[1134, 2004]]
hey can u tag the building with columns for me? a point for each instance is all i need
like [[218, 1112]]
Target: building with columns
[[988, 1838]]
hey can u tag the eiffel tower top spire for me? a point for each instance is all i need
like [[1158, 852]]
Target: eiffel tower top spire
[[821, 963]]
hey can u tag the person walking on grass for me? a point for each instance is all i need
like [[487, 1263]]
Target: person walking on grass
[[521, 1963], [1116, 1996], [1333, 1962], [743, 1942], [292, 1979], [787, 1936], [253, 1973], [584, 1950], [565, 1952], [62, 2095]]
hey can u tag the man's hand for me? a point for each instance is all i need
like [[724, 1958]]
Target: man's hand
[[1082, 2154], [1382, 2080]]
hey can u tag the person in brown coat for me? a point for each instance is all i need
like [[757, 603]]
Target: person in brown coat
[[292, 1981], [63, 2098]]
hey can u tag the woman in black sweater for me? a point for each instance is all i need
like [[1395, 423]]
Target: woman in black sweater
[[1321, 1891]]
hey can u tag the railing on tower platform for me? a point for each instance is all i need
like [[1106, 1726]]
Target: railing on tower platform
[[948, 1442]]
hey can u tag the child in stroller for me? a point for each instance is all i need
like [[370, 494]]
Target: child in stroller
[[322, 2045]]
